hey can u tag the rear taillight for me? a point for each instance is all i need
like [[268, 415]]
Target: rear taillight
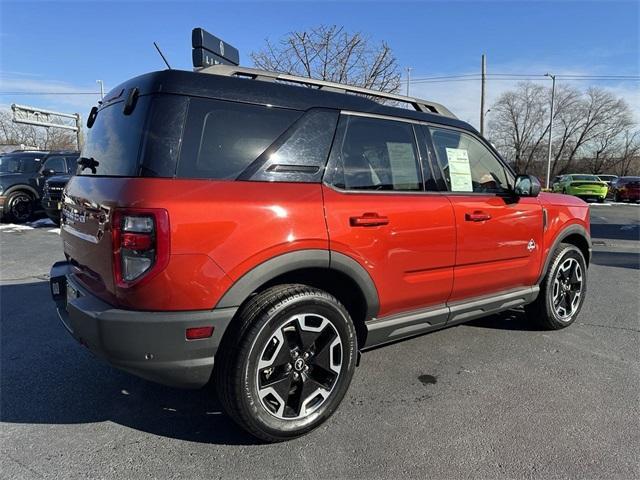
[[140, 244]]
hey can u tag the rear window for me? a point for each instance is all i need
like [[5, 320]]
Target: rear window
[[585, 178], [223, 138], [114, 140]]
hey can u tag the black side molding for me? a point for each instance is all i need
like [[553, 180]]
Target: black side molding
[[298, 260], [570, 230], [409, 324]]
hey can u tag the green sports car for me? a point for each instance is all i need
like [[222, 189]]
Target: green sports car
[[582, 185]]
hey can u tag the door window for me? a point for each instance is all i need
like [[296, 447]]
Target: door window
[[468, 165], [56, 163], [376, 154]]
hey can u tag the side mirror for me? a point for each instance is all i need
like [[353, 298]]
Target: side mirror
[[527, 186]]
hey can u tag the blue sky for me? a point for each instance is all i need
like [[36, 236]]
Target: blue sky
[[66, 46]]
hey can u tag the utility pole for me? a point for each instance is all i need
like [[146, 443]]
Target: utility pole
[[101, 89], [553, 94], [79, 131], [408, 79], [482, 90]]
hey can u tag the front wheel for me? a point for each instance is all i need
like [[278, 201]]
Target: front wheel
[[562, 291], [287, 363], [19, 207]]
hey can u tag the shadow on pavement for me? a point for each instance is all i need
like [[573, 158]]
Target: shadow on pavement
[[509, 320], [617, 259], [614, 231], [48, 378]]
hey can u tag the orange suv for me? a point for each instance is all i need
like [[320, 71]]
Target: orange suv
[[259, 231]]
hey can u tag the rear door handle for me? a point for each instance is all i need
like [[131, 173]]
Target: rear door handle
[[368, 220], [477, 216]]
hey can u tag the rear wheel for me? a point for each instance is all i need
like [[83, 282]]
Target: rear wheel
[[616, 197], [287, 363], [19, 207], [562, 291]]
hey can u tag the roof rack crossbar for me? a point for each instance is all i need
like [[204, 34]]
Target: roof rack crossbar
[[418, 104]]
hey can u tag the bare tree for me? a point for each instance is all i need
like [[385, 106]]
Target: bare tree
[[333, 54], [593, 130]]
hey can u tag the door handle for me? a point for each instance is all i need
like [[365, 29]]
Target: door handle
[[477, 216], [368, 220]]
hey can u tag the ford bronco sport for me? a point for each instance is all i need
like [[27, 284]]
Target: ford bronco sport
[[259, 230]]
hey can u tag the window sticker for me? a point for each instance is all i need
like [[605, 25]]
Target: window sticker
[[403, 164], [459, 170]]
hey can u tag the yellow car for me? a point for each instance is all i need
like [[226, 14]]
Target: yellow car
[[583, 186]]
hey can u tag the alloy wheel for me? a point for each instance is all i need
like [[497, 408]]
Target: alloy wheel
[[299, 366], [567, 289], [21, 207]]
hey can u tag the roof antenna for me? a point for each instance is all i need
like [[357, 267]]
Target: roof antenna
[[163, 57]]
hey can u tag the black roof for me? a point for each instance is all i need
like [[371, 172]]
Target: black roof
[[265, 93]]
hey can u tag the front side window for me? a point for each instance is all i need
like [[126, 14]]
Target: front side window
[[468, 165], [55, 163], [376, 154]]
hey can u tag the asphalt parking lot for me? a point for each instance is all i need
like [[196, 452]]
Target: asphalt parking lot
[[495, 398]]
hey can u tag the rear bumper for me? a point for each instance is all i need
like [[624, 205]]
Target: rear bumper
[[151, 345]]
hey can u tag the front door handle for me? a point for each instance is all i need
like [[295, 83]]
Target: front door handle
[[368, 220], [477, 216]]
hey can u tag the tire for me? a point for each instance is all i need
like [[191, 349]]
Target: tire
[[557, 306], [271, 336], [600, 200], [18, 207], [616, 197]]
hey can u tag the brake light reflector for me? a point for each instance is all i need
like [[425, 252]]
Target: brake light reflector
[[197, 333], [140, 240], [137, 241]]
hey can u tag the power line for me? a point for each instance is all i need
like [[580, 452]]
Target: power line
[[517, 78], [49, 93]]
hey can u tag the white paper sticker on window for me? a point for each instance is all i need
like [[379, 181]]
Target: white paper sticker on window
[[459, 170], [402, 161]]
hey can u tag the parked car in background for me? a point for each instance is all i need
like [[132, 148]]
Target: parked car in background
[[626, 189], [609, 179], [18, 185], [587, 187], [52, 196], [268, 232], [555, 181], [22, 178]]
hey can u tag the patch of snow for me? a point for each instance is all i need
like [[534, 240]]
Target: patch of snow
[[42, 222]]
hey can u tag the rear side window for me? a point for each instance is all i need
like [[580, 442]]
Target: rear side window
[[223, 138], [301, 153], [375, 154]]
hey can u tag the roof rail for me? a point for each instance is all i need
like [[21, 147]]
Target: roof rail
[[418, 104]]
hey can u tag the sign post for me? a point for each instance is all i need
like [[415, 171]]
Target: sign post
[[48, 119], [209, 50]]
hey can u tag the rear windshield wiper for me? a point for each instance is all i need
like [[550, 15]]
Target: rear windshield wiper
[[91, 163]]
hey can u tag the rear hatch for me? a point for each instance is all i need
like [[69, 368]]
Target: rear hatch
[[114, 156]]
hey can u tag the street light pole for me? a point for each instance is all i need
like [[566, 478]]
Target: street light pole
[[101, 89], [408, 79], [553, 94], [483, 81]]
